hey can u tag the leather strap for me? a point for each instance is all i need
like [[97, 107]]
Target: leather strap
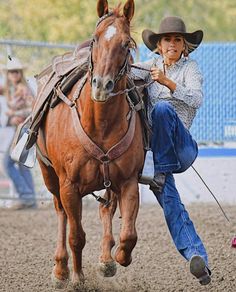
[[80, 87], [33, 134], [64, 98], [115, 151], [92, 148]]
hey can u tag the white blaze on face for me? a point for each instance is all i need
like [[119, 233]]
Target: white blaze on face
[[111, 31]]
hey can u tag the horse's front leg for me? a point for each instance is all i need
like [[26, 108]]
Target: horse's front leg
[[107, 265], [72, 203], [60, 274], [129, 204]]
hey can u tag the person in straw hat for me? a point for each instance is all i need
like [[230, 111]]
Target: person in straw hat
[[19, 100], [172, 100]]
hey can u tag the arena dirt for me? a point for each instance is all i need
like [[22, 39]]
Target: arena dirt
[[28, 238]]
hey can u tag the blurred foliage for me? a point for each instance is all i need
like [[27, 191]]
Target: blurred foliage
[[74, 20]]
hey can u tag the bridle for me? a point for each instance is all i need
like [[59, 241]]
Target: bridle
[[124, 68]]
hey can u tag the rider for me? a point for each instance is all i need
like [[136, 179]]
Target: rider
[[173, 100]]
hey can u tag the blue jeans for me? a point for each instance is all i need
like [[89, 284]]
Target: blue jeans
[[174, 151], [21, 178]]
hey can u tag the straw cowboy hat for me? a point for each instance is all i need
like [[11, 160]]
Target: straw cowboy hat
[[171, 24], [14, 63]]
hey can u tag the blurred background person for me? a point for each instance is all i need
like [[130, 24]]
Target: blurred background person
[[19, 101]]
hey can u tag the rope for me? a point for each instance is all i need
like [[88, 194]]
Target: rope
[[211, 193]]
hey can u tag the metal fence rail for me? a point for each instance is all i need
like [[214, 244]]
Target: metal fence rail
[[216, 119], [35, 55]]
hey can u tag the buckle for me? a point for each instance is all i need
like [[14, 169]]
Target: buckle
[[73, 104], [107, 184]]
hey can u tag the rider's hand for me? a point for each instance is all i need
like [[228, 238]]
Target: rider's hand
[[158, 75]]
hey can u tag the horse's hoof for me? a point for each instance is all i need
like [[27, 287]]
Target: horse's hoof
[[121, 257], [78, 286], [107, 269], [57, 283], [78, 281]]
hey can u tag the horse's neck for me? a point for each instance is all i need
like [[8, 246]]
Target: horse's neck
[[105, 119]]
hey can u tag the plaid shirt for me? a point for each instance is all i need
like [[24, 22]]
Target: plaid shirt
[[187, 97]]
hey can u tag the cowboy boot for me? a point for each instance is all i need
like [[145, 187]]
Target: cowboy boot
[[199, 269]]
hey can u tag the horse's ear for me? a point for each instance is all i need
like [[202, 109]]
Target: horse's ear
[[102, 7], [129, 9]]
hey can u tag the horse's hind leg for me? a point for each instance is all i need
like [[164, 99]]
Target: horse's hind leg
[[129, 204], [60, 274], [107, 265], [72, 203]]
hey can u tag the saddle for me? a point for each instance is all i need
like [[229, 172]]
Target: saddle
[[64, 71]]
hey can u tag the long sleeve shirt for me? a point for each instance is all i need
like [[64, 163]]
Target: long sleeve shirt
[[186, 98]]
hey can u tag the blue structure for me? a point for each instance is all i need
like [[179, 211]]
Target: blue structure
[[216, 119]]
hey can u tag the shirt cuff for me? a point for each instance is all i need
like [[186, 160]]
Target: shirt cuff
[[179, 92]]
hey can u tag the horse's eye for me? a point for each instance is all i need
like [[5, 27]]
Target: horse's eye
[[125, 45], [95, 39]]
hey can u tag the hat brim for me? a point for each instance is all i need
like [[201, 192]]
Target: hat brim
[[151, 38], [5, 68]]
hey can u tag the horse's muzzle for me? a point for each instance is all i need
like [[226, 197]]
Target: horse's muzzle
[[101, 88]]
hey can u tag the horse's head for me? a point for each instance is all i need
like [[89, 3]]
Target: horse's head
[[110, 49]]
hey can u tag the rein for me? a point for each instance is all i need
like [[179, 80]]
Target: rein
[[127, 90]]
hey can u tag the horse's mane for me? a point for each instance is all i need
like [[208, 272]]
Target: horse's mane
[[117, 13], [117, 10]]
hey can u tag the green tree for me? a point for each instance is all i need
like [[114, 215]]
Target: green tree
[[73, 21]]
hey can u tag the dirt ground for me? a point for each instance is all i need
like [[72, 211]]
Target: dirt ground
[[27, 242]]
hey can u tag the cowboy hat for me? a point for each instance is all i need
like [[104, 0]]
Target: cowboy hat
[[171, 24], [14, 63]]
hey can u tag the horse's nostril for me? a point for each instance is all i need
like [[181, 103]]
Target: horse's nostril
[[109, 85], [94, 81]]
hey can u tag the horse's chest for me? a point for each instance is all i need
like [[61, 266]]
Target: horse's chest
[[89, 171], [80, 165]]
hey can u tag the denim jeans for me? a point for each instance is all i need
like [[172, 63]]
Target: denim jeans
[[174, 151], [21, 178]]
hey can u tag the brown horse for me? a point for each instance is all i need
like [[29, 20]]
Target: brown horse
[[95, 142]]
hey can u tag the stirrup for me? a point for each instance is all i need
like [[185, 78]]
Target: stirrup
[[23, 156], [147, 180]]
